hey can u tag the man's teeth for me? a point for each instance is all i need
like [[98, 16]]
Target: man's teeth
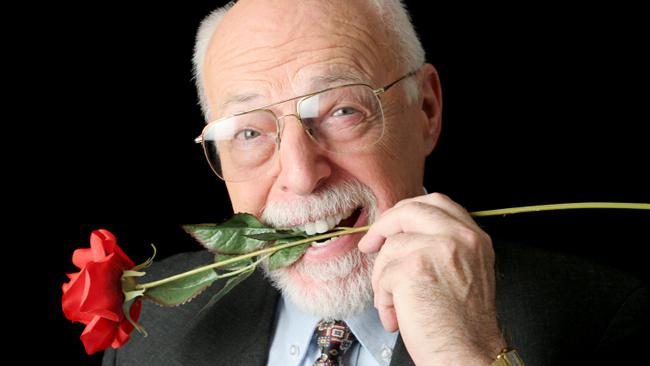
[[325, 224], [321, 243]]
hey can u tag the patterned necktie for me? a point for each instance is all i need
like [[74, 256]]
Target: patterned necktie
[[334, 338]]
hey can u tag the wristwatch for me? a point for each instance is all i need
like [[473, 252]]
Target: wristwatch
[[508, 357]]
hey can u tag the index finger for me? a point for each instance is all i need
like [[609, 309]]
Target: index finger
[[413, 217]]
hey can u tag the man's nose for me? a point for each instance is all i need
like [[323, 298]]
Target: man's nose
[[303, 166]]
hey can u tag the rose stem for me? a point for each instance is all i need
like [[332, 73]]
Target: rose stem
[[361, 229]]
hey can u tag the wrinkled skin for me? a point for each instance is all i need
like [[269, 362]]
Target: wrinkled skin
[[433, 279]]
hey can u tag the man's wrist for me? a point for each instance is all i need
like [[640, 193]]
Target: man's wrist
[[508, 357], [465, 355], [468, 351]]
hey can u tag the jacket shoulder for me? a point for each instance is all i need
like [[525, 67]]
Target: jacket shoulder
[[187, 334], [556, 308]]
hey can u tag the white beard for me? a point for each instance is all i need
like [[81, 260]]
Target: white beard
[[335, 289]]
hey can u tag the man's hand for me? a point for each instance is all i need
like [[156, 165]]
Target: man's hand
[[434, 281]]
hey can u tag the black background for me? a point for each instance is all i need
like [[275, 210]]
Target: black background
[[541, 105]]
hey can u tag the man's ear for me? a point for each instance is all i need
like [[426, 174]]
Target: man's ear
[[431, 105]]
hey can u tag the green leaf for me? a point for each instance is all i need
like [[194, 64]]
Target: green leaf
[[233, 266], [229, 286], [182, 290], [287, 256], [279, 234], [231, 236]]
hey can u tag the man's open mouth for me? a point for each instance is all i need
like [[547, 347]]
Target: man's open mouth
[[348, 219]]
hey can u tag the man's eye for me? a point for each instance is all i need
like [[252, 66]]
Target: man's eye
[[247, 134], [344, 111]]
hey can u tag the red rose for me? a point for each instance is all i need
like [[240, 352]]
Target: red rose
[[94, 294]]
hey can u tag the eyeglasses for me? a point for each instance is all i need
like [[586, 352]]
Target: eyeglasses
[[340, 119]]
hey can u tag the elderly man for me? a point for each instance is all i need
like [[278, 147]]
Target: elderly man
[[322, 113]]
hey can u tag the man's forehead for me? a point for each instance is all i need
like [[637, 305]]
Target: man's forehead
[[327, 74], [252, 94], [285, 20], [263, 30], [253, 62]]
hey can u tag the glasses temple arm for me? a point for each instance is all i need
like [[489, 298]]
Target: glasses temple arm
[[385, 88]]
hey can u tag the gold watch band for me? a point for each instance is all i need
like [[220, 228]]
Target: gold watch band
[[508, 357]]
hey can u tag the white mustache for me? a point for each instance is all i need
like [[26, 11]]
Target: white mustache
[[326, 202]]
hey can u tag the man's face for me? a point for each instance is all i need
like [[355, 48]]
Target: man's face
[[263, 53]]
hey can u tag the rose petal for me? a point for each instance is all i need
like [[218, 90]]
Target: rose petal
[[94, 295], [110, 246], [73, 296], [103, 292], [73, 277], [81, 257], [98, 335], [100, 241], [122, 335]]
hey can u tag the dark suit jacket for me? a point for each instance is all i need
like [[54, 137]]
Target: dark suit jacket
[[553, 308]]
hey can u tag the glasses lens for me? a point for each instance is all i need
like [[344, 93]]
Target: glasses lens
[[241, 147], [344, 119]]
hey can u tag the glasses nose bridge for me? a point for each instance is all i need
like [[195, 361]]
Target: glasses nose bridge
[[294, 115], [280, 120]]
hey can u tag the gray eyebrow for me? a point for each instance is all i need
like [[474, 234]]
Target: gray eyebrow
[[240, 98], [316, 83], [323, 81]]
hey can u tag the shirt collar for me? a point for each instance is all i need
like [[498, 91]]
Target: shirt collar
[[296, 327], [366, 327], [368, 330]]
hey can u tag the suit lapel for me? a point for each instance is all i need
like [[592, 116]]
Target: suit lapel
[[255, 319], [237, 330]]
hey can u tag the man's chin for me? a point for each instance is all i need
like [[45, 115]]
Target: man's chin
[[332, 290]]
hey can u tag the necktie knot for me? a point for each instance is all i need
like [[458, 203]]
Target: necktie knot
[[334, 338]]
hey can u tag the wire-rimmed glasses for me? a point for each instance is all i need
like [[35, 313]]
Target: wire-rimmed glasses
[[341, 119]]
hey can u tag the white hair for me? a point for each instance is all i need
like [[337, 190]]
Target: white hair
[[393, 13], [339, 287], [344, 286]]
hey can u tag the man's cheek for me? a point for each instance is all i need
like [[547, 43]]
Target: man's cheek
[[246, 197]]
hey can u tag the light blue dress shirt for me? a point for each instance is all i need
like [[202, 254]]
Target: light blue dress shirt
[[294, 342]]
